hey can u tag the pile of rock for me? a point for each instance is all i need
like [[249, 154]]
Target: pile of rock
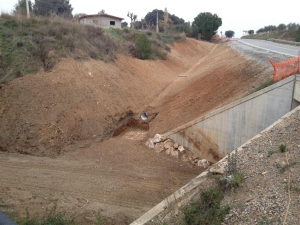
[[163, 144]]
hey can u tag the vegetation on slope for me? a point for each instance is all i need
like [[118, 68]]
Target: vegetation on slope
[[290, 32], [30, 45]]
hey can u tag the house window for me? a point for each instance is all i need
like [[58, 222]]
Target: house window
[[112, 23], [95, 21]]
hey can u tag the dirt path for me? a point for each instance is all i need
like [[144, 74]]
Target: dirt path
[[79, 104], [118, 177]]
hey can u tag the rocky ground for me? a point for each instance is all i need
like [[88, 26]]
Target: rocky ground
[[270, 193]]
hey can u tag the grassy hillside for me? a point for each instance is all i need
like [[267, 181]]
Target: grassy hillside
[[30, 45], [289, 35]]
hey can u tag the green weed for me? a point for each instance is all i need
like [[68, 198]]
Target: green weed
[[207, 209], [265, 221], [270, 153], [51, 218], [282, 148]]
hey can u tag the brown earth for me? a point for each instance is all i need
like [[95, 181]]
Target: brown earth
[[66, 114]]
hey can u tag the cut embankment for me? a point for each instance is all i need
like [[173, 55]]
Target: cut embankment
[[42, 114]]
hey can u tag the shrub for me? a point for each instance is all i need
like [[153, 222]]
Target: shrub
[[144, 46], [297, 39], [237, 180], [282, 148], [207, 209]]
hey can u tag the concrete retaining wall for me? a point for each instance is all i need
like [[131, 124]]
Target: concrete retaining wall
[[297, 89], [220, 132], [169, 206]]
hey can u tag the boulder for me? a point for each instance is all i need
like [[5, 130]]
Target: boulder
[[218, 171], [149, 143], [159, 147], [181, 148], [176, 145], [204, 163], [168, 145], [168, 151], [157, 138]]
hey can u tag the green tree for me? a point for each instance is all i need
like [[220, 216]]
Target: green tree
[[124, 24], [250, 31], [151, 17], [59, 7], [229, 33], [297, 39], [281, 27], [20, 7], [207, 24]]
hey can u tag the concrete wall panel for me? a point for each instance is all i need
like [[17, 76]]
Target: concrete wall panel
[[220, 132]]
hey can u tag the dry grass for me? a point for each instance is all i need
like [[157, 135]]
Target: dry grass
[[29, 45]]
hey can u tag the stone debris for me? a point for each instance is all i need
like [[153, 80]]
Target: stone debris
[[149, 143], [181, 148], [159, 147], [175, 153], [162, 144], [168, 151], [217, 171], [168, 145], [157, 138], [204, 163], [176, 145]]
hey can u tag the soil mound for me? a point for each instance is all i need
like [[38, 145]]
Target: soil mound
[[41, 114]]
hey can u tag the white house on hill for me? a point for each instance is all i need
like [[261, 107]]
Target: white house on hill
[[101, 20]]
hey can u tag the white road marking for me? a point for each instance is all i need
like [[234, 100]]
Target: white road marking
[[246, 43]]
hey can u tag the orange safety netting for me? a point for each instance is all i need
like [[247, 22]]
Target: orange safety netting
[[286, 68]]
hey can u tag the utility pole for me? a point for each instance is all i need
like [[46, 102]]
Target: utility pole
[[157, 21], [27, 7]]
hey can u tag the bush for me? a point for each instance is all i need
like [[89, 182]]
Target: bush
[[237, 180], [282, 148], [207, 211], [297, 39], [144, 46]]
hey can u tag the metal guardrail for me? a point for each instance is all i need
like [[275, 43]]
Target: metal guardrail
[[284, 42]]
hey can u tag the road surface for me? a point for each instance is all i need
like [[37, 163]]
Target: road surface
[[273, 47]]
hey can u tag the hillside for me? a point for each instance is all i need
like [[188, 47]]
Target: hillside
[[288, 35], [66, 113], [37, 44]]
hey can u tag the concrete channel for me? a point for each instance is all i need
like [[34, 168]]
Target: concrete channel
[[226, 129]]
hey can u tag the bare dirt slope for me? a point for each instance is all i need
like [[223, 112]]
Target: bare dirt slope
[[79, 104]]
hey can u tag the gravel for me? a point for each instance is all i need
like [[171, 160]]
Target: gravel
[[264, 196]]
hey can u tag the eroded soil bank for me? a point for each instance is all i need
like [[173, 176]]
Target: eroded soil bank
[[73, 112]]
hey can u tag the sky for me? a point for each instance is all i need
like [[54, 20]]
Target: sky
[[237, 15]]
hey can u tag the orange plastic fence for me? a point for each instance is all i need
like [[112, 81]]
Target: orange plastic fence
[[286, 68]]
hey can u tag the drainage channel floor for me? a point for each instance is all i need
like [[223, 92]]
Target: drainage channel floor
[[120, 178]]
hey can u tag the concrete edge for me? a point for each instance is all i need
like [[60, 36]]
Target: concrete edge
[[156, 210], [266, 49], [231, 105]]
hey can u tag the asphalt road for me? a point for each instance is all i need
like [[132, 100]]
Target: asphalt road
[[273, 47]]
